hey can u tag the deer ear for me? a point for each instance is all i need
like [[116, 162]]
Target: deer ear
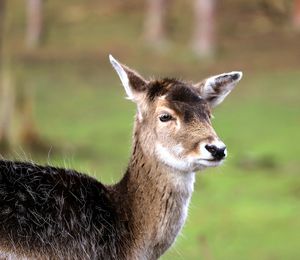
[[214, 89], [132, 82]]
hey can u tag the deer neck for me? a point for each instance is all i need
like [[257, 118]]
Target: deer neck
[[157, 198]]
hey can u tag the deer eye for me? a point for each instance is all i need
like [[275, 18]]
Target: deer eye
[[165, 117]]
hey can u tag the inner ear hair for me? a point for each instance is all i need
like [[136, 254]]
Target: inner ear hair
[[214, 89], [136, 81], [224, 80], [131, 80]]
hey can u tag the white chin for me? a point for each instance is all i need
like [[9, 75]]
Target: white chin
[[209, 163]]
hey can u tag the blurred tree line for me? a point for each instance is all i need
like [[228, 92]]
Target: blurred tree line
[[205, 15], [16, 95]]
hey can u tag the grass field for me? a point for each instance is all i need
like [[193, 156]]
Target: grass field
[[247, 209]]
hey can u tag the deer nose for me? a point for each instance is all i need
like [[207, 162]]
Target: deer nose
[[217, 152]]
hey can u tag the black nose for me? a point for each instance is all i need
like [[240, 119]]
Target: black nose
[[216, 152]]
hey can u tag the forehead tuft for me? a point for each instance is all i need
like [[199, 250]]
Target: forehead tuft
[[181, 97], [174, 90], [183, 93], [159, 88]]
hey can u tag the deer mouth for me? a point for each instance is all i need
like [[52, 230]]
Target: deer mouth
[[215, 160], [211, 162]]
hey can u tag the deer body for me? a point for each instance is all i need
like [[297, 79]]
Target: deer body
[[49, 212], [53, 213]]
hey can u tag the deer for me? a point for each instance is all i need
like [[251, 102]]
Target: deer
[[48, 212]]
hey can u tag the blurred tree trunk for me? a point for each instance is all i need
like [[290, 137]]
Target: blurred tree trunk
[[6, 110], [155, 23], [34, 23], [2, 29], [296, 14], [204, 40], [6, 90], [28, 133]]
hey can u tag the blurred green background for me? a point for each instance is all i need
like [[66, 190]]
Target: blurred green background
[[68, 109]]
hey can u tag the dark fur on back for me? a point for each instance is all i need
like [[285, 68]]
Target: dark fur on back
[[46, 210]]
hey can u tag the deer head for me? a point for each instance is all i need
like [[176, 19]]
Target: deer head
[[173, 122]]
